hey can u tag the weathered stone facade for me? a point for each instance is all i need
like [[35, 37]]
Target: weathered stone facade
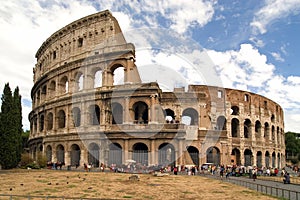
[[81, 115]]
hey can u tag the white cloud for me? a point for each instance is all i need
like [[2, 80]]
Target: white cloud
[[277, 56], [273, 10], [24, 27], [180, 14]]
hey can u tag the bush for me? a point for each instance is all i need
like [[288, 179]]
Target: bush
[[25, 160], [41, 160]]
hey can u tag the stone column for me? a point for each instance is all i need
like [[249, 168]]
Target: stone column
[[126, 111], [83, 157], [153, 117], [67, 158], [180, 152], [126, 150], [152, 152]]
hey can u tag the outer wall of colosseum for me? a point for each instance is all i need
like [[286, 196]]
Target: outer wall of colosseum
[[82, 114]]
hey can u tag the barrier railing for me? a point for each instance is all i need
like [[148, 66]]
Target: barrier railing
[[269, 190]]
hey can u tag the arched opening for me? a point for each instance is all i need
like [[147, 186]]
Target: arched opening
[[278, 136], [117, 113], [248, 157], [213, 155], [273, 118], [115, 154], [75, 155], [61, 116], [273, 159], [79, 82], [273, 133], [140, 153], [247, 128], [49, 153], [236, 157], [267, 131], [221, 123], [93, 154], [118, 75], [166, 154], [267, 159], [76, 116], [257, 129], [140, 112], [235, 110], [278, 161], [235, 124], [64, 85], [194, 154], [98, 79], [52, 88], [60, 153], [190, 116], [42, 121], [50, 121], [169, 115], [94, 114], [259, 159]]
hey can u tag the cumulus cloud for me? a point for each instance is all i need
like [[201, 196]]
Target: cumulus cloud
[[277, 56], [177, 15], [24, 27], [273, 10]]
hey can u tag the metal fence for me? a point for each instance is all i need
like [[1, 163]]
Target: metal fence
[[269, 190]]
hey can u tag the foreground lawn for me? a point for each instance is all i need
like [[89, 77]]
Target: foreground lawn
[[118, 186]]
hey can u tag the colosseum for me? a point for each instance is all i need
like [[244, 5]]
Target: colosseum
[[80, 114]]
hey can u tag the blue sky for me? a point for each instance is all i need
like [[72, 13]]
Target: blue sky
[[254, 45]]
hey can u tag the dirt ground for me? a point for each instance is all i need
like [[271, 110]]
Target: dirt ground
[[118, 186]]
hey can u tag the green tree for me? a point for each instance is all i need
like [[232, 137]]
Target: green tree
[[292, 144], [10, 136], [17, 112]]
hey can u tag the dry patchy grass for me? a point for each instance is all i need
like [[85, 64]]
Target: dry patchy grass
[[118, 186]]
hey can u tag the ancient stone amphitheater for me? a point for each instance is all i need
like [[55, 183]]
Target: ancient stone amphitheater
[[80, 114]]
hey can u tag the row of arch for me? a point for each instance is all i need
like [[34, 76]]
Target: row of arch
[[166, 155], [140, 115], [77, 83], [258, 129]]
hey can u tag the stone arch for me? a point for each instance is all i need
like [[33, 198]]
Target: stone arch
[[267, 131], [166, 154], [247, 128], [50, 121], [278, 135], [97, 78], [236, 156], [213, 155], [76, 115], [140, 109], [273, 133], [278, 160], [235, 127], [248, 156], [115, 154], [194, 154], [49, 153], [117, 113], [273, 159], [42, 122], [259, 159], [64, 85], [61, 119], [118, 75], [79, 81], [257, 129], [94, 114], [140, 153], [192, 116], [235, 110], [273, 118], [60, 153], [221, 123], [75, 155], [93, 154], [267, 159], [52, 89], [169, 115]]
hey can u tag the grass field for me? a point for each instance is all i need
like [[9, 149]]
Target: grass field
[[118, 186]]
